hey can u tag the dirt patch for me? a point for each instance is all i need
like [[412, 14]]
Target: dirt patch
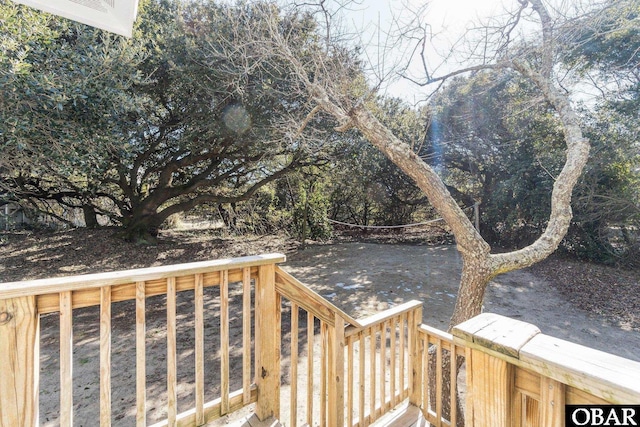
[[363, 278], [27, 255]]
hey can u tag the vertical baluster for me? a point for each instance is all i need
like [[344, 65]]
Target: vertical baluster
[[403, 356], [350, 383], [199, 334], [361, 379], [372, 374], [415, 358], [468, 408], [172, 392], [323, 373], [105, 356], [246, 335], [426, 390], [141, 367], [383, 368], [66, 360], [439, 380], [294, 365], [392, 367], [224, 341], [454, 385], [310, 376]]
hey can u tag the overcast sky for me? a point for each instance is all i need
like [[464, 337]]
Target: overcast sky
[[447, 18]]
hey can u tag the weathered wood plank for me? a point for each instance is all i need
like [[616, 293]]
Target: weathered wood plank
[[19, 361]]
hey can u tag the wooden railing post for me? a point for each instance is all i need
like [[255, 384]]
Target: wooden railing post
[[491, 341], [267, 344], [19, 345], [415, 356]]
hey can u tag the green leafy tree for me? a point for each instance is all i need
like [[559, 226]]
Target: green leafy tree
[[190, 121], [503, 155]]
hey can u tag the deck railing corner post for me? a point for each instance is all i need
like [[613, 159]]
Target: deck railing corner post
[[494, 343], [19, 336], [267, 343]]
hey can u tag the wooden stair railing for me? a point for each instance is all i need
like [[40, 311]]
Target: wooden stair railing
[[386, 376]]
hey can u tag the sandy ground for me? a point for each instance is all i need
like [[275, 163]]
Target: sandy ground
[[361, 278]]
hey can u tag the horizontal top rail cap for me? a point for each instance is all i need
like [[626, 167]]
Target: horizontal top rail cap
[[86, 281], [610, 377], [498, 333]]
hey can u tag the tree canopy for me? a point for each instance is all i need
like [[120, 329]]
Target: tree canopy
[[140, 129]]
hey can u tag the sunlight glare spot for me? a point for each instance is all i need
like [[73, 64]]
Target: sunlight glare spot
[[236, 118]]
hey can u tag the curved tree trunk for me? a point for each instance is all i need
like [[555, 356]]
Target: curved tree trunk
[[142, 229], [479, 266]]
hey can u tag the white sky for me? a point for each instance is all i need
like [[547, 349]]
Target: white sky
[[447, 18]]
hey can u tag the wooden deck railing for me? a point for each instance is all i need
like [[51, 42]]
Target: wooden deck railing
[[356, 370], [382, 374], [22, 304], [439, 395], [517, 376], [352, 391]]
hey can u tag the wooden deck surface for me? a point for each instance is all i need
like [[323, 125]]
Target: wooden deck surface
[[253, 421], [404, 415]]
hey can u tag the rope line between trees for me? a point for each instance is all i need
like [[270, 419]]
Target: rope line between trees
[[384, 226], [380, 227]]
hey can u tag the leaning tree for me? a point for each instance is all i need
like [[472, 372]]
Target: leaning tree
[[326, 75]]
